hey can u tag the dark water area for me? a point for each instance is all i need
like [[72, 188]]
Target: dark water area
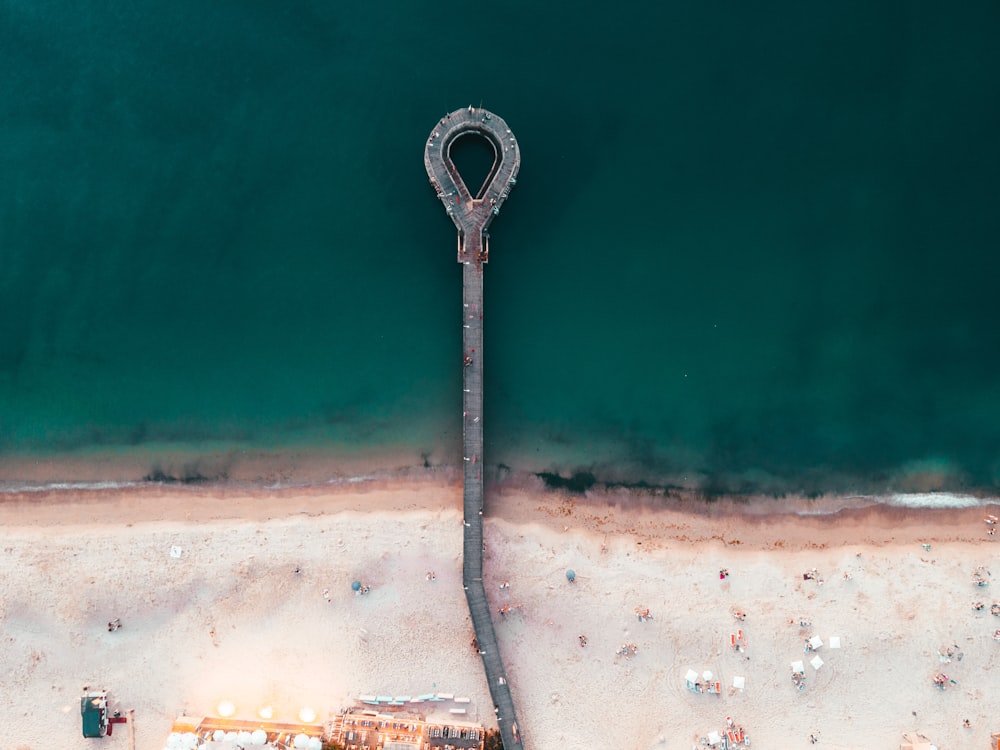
[[747, 251]]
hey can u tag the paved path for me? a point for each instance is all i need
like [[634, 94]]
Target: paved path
[[472, 215]]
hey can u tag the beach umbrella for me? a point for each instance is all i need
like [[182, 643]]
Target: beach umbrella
[[706, 675], [301, 741], [570, 575], [315, 743], [174, 741], [258, 737], [219, 735], [356, 585]]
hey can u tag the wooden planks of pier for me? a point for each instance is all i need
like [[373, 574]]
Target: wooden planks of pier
[[472, 215]]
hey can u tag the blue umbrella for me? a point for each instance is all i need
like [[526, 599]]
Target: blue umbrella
[[570, 575], [356, 585]]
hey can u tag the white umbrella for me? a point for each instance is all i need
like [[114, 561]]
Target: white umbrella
[[301, 741], [706, 675], [219, 735], [714, 738], [174, 741], [258, 737], [815, 642], [798, 666], [739, 682], [315, 743], [691, 676], [816, 662], [834, 641], [230, 737], [243, 737]]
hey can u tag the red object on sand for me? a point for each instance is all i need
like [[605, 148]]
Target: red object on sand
[[115, 720]]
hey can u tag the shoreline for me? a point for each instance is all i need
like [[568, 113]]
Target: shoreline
[[307, 464], [656, 518]]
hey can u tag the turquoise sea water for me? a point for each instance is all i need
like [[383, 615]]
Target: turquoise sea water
[[746, 250]]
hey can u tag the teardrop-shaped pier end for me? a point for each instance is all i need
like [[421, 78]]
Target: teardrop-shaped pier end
[[472, 214]]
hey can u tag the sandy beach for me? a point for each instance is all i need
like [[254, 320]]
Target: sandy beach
[[230, 618]]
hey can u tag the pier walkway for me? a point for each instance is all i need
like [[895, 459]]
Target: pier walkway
[[472, 214]]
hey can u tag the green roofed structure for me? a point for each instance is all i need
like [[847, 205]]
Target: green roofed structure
[[94, 713]]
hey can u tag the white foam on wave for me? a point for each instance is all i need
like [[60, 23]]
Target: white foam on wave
[[12, 489], [934, 500]]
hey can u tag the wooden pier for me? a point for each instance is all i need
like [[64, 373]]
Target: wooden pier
[[472, 214]]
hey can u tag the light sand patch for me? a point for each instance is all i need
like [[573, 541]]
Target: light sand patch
[[230, 618]]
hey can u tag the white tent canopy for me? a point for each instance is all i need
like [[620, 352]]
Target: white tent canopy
[[815, 642], [739, 682], [834, 641], [816, 662], [798, 666]]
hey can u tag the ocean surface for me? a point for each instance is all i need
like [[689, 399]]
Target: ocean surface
[[749, 249]]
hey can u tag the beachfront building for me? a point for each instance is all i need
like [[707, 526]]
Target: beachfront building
[[367, 729], [395, 725]]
